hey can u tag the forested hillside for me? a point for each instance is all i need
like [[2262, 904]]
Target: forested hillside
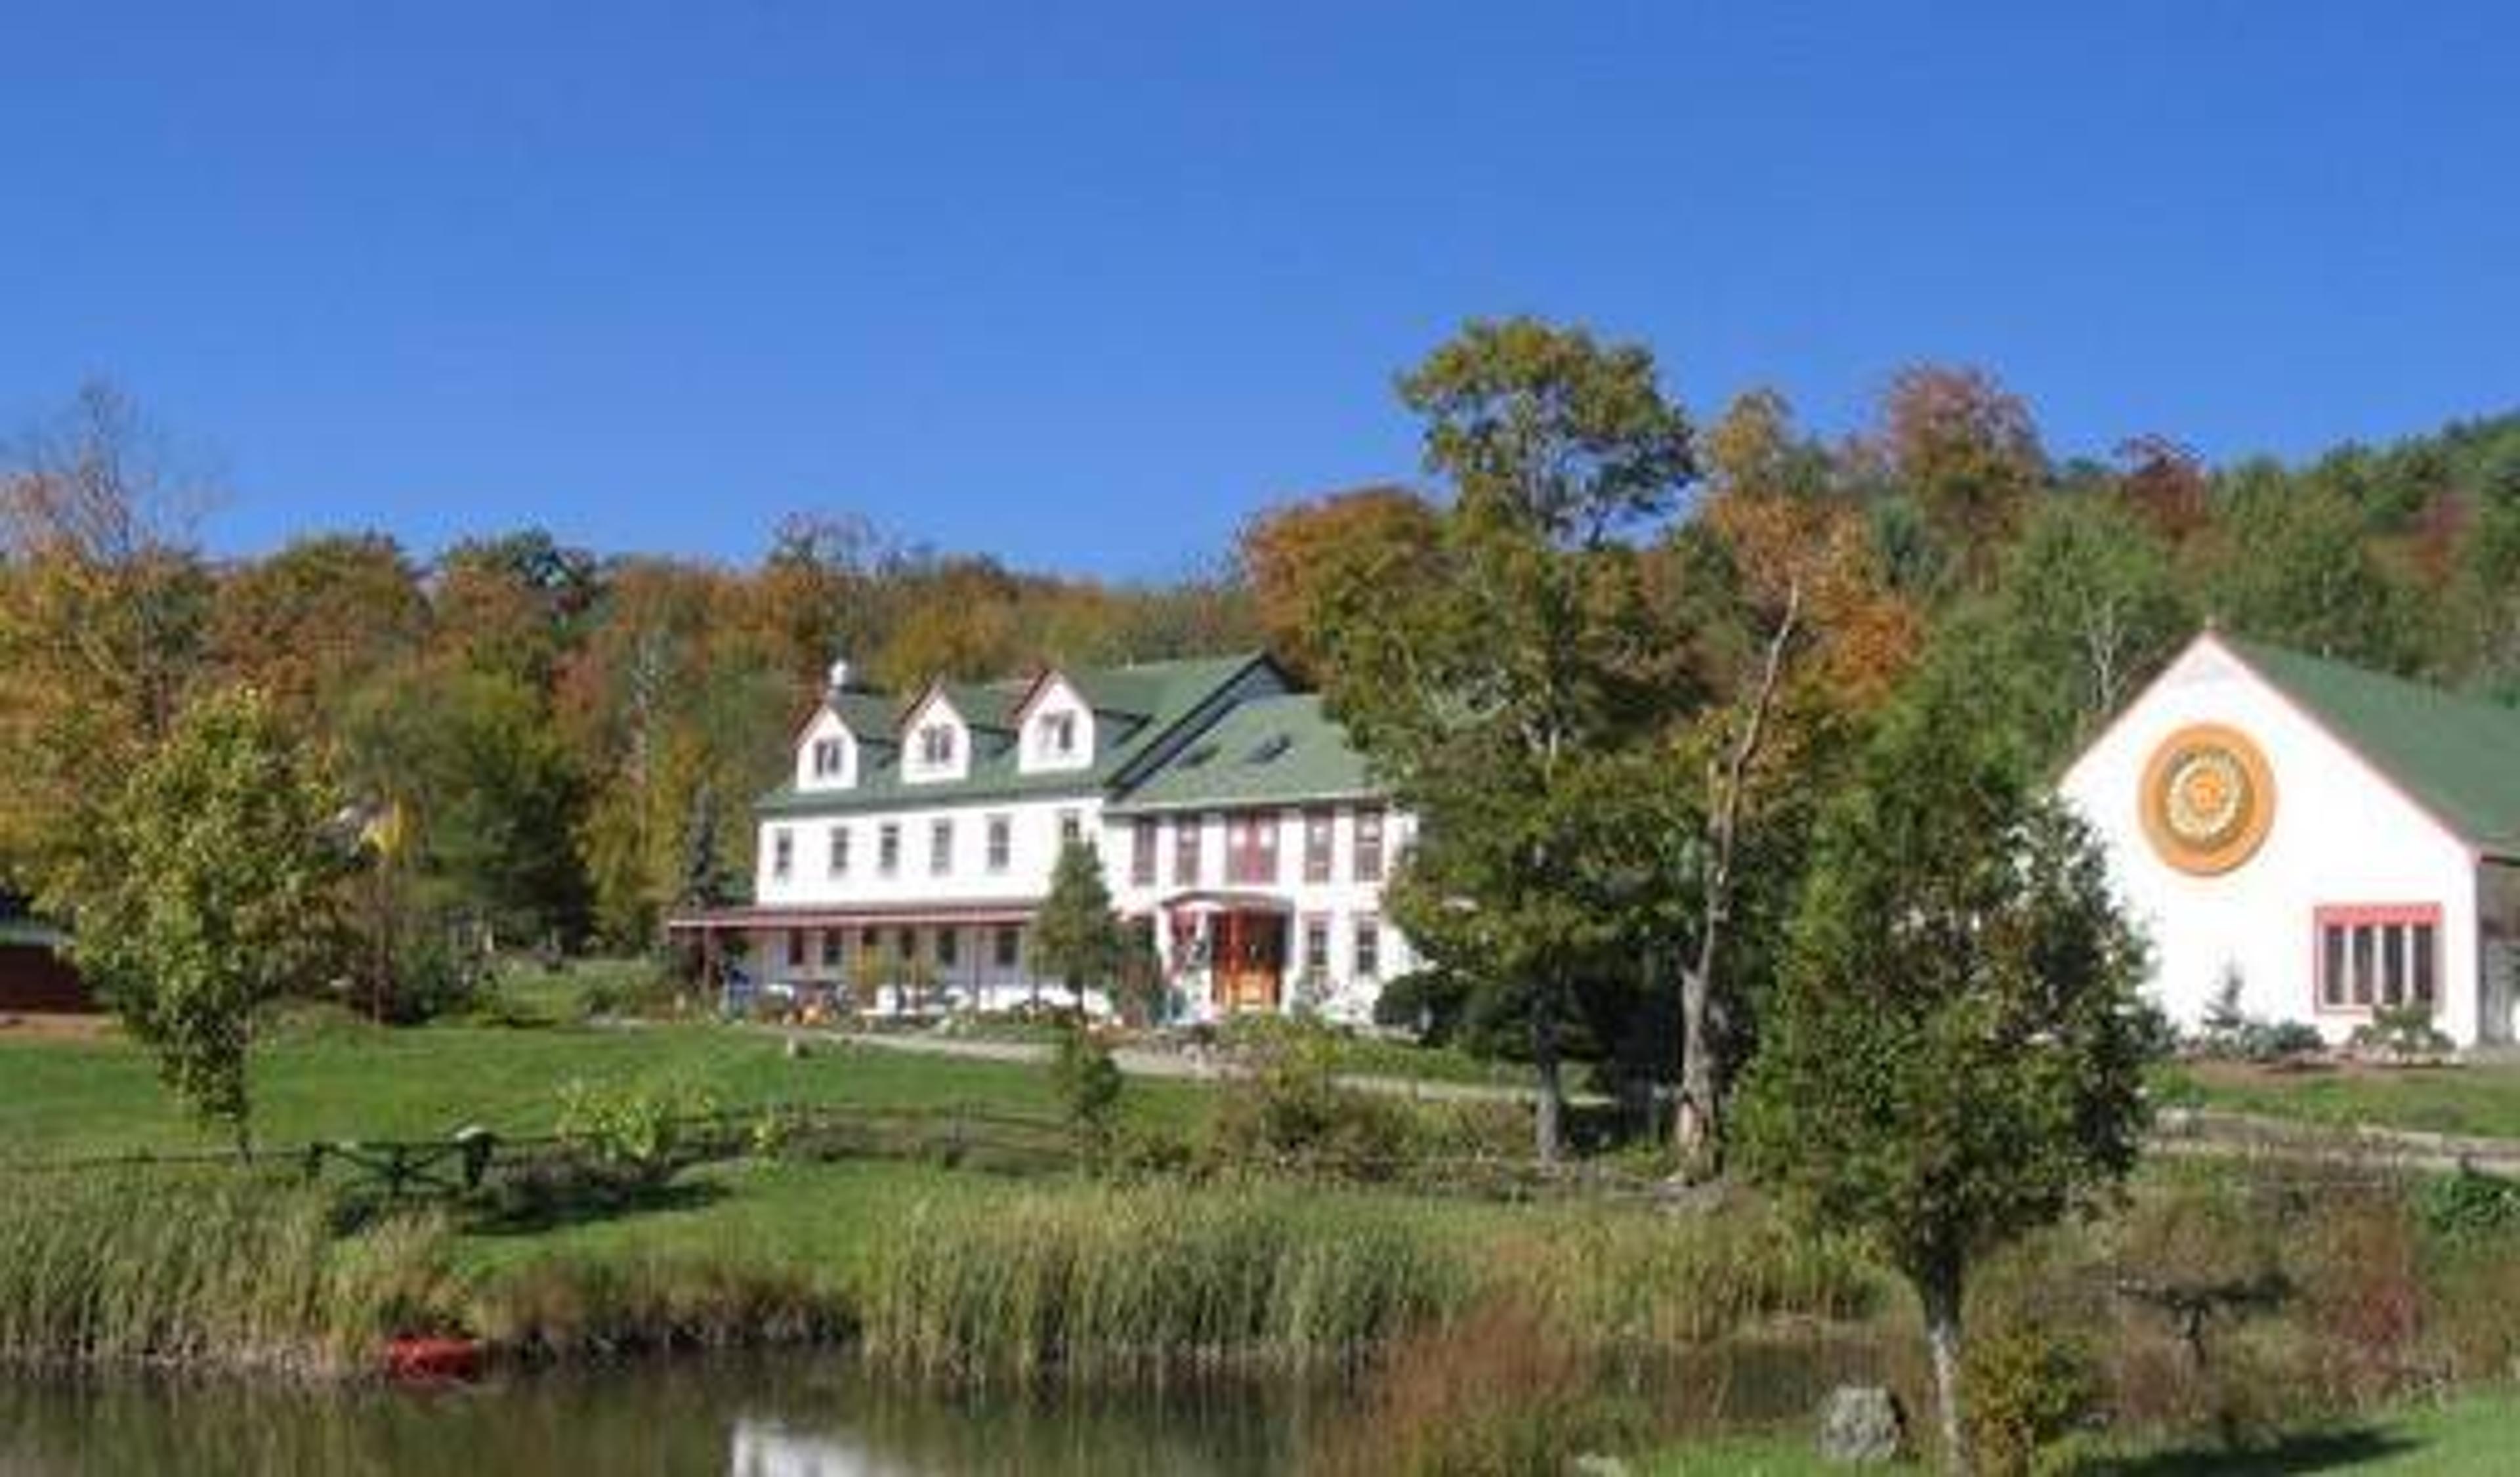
[[562, 742]]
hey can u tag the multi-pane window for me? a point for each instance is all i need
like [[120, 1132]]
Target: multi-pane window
[[1071, 829], [1059, 734], [1251, 847], [2378, 958], [1009, 946], [887, 848], [1002, 842], [949, 947], [940, 846], [936, 745], [1186, 829], [796, 949], [1369, 846], [1317, 944], [840, 850], [833, 940], [1368, 948], [1142, 851], [783, 853], [1317, 830], [826, 757]]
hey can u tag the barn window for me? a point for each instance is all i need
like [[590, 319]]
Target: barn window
[[2379, 958]]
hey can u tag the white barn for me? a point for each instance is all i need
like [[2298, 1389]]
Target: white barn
[[2336, 840]]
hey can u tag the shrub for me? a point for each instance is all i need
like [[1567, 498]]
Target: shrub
[[1498, 1393], [637, 1130], [1088, 1084], [2468, 1205], [1293, 1111], [2027, 1389], [2400, 1033]]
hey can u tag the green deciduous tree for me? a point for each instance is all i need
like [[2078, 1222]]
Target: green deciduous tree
[[1955, 1054], [1482, 694], [221, 895]]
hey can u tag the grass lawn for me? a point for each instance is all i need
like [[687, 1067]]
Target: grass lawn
[[64, 1098], [2480, 1099], [2465, 1438]]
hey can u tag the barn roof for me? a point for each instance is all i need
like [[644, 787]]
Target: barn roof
[[2457, 755]]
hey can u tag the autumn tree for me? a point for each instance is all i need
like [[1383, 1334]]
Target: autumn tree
[[104, 604], [1954, 1054], [2167, 485], [1303, 559], [1965, 450], [310, 623], [1481, 697]]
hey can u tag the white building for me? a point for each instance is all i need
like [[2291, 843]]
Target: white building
[[917, 834], [2337, 840]]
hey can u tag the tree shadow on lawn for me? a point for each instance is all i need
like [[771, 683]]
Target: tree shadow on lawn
[[555, 1208], [2328, 1450]]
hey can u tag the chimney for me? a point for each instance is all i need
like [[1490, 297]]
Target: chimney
[[839, 675]]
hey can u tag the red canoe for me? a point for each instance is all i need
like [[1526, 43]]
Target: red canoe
[[433, 1358]]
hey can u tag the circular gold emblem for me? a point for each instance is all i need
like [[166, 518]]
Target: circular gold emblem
[[2208, 799]]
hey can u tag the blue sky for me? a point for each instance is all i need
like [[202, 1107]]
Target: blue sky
[[1083, 286]]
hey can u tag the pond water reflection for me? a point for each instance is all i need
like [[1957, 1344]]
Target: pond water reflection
[[804, 1416], [798, 1414]]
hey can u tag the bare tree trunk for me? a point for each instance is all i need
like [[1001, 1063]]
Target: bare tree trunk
[[1696, 1133], [1698, 1130], [1941, 1296], [1548, 1121]]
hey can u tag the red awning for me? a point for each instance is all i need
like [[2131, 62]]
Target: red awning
[[859, 915]]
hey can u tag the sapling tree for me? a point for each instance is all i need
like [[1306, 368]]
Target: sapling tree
[[1955, 1054], [221, 897]]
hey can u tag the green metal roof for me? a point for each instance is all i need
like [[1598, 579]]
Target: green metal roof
[[1164, 695], [2457, 756], [1267, 750]]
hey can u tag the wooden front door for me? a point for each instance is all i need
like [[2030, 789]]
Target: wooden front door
[[1250, 960]]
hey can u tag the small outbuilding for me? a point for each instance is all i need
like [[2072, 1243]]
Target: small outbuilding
[[2336, 841], [35, 972]]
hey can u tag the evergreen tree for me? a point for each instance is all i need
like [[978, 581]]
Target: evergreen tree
[[1076, 938]]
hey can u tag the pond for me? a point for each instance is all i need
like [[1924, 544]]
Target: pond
[[808, 1413]]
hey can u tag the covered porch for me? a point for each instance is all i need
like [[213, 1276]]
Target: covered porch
[[870, 960], [1227, 950]]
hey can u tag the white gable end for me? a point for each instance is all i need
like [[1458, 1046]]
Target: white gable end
[[935, 743], [1058, 731], [827, 755], [2339, 835]]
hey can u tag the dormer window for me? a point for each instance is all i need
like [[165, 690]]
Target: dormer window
[[829, 758], [936, 745], [1058, 735]]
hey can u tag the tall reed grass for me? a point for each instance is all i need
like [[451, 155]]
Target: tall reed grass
[[1150, 1284], [586, 1307], [214, 1270]]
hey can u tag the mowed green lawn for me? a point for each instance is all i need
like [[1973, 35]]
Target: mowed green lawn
[[2480, 1099], [65, 1098]]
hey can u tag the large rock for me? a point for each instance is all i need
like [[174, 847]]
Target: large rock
[[1860, 1425]]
